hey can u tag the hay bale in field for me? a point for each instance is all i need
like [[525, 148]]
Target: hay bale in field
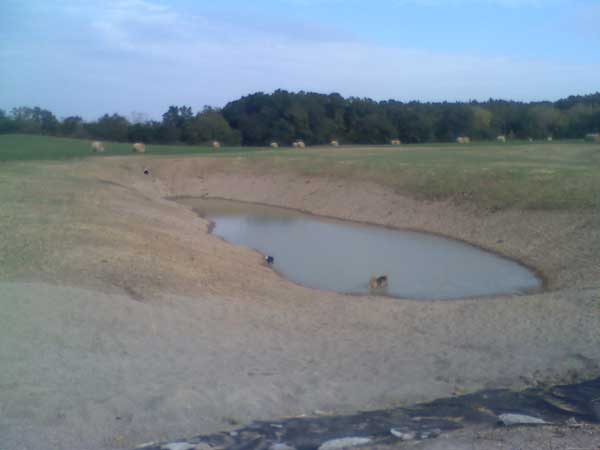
[[97, 147], [501, 138], [138, 147], [299, 144], [334, 143], [463, 140], [215, 144], [274, 144], [549, 138], [395, 142]]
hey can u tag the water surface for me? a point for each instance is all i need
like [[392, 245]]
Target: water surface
[[342, 256]]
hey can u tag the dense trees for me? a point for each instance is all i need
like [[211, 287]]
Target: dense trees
[[110, 127], [209, 125], [72, 126], [282, 116], [7, 125], [34, 120]]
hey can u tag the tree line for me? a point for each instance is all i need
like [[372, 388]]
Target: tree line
[[284, 117]]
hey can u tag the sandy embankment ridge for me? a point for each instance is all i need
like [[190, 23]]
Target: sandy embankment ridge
[[127, 322]]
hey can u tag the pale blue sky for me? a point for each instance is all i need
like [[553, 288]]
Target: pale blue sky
[[91, 57]]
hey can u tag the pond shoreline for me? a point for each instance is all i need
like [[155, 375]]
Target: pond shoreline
[[157, 329], [184, 200], [367, 203]]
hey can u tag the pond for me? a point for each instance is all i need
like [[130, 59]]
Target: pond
[[343, 256]]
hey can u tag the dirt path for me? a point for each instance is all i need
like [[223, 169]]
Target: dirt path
[[124, 321]]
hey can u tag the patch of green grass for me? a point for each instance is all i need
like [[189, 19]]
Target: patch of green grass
[[557, 175], [20, 147], [536, 175]]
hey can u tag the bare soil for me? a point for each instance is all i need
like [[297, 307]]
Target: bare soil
[[125, 321]]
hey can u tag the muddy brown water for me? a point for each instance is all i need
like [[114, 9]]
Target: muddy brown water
[[341, 256]]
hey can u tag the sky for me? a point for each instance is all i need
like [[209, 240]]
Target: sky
[[78, 57]]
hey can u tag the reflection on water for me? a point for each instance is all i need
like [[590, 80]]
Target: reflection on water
[[342, 256]]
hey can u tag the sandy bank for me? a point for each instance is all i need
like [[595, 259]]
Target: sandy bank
[[563, 245], [144, 327]]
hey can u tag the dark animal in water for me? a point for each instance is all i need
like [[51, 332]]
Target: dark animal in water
[[269, 259], [378, 282]]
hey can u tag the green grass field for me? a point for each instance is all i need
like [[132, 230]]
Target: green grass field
[[538, 175], [557, 175], [19, 147]]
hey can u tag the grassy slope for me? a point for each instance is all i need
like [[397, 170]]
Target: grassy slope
[[556, 175]]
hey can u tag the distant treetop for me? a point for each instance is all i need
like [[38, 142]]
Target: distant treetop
[[286, 117]]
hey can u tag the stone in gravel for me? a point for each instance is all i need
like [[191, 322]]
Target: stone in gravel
[[336, 444], [520, 419], [178, 446], [403, 436], [203, 446], [430, 434], [281, 447], [572, 423]]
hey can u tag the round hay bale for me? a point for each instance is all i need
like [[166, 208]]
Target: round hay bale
[[463, 140], [501, 138], [138, 147], [274, 144], [395, 142], [216, 144], [97, 147], [335, 143], [299, 144], [549, 138]]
